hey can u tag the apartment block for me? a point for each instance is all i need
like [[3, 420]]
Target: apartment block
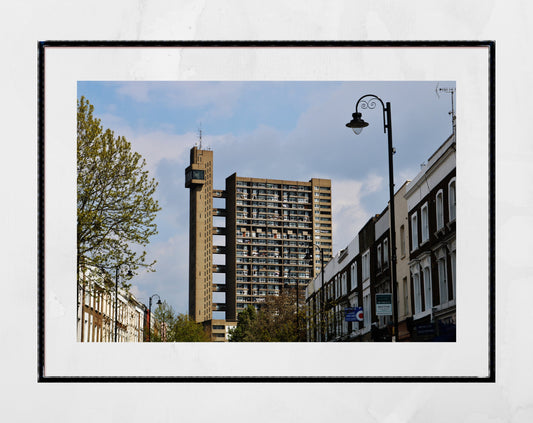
[[270, 226]]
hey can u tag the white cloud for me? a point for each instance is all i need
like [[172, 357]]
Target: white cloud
[[220, 98], [348, 213], [139, 92], [373, 183], [135, 291], [170, 281], [153, 146], [407, 174], [158, 145]]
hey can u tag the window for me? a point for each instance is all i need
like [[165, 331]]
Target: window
[[345, 283], [425, 223], [366, 265], [451, 199], [439, 205], [428, 294], [452, 259], [443, 282], [353, 275], [402, 240], [405, 296], [386, 252], [417, 292], [379, 256], [414, 231]]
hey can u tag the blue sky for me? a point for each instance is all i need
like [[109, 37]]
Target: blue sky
[[280, 130]]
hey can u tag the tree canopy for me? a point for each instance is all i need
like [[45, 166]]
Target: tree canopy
[[276, 321], [176, 328], [116, 205], [245, 325], [185, 329]]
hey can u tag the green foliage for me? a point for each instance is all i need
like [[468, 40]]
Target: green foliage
[[116, 208], [164, 317], [245, 322], [185, 329], [276, 321], [169, 327]]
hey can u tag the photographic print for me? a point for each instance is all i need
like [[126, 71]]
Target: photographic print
[[250, 209], [288, 206]]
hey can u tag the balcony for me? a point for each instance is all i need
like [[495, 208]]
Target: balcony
[[219, 268], [219, 307], [217, 287], [219, 231]]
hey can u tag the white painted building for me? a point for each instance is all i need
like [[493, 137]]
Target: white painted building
[[431, 204], [96, 311]]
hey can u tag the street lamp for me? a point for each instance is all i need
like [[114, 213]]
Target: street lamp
[[150, 314], [129, 274], [357, 124], [311, 257]]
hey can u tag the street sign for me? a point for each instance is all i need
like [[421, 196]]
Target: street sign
[[384, 304], [353, 314]]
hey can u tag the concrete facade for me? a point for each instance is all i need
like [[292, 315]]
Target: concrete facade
[[270, 227]]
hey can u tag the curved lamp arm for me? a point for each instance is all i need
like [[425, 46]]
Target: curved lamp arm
[[368, 101]]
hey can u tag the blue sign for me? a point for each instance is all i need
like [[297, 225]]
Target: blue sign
[[353, 314]]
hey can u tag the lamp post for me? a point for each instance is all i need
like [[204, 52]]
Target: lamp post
[[311, 257], [357, 124], [117, 272], [150, 314]]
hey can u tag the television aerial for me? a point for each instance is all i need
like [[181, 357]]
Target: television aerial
[[450, 91]]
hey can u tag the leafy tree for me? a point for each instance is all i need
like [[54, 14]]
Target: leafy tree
[[245, 322], [116, 208], [176, 328], [185, 329], [276, 321], [164, 317]]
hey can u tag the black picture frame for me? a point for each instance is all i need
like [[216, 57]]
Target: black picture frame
[[41, 374]]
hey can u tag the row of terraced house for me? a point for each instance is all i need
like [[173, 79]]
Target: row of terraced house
[[104, 316], [425, 222]]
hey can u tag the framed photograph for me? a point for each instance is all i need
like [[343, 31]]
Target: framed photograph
[[283, 111]]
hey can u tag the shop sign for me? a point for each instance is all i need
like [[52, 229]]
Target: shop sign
[[384, 304]]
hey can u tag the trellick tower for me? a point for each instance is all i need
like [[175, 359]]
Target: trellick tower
[[271, 226]]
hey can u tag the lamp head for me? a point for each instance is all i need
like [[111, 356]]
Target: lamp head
[[357, 123]]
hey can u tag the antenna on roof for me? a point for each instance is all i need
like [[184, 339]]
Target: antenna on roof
[[450, 91], [200, 135]]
